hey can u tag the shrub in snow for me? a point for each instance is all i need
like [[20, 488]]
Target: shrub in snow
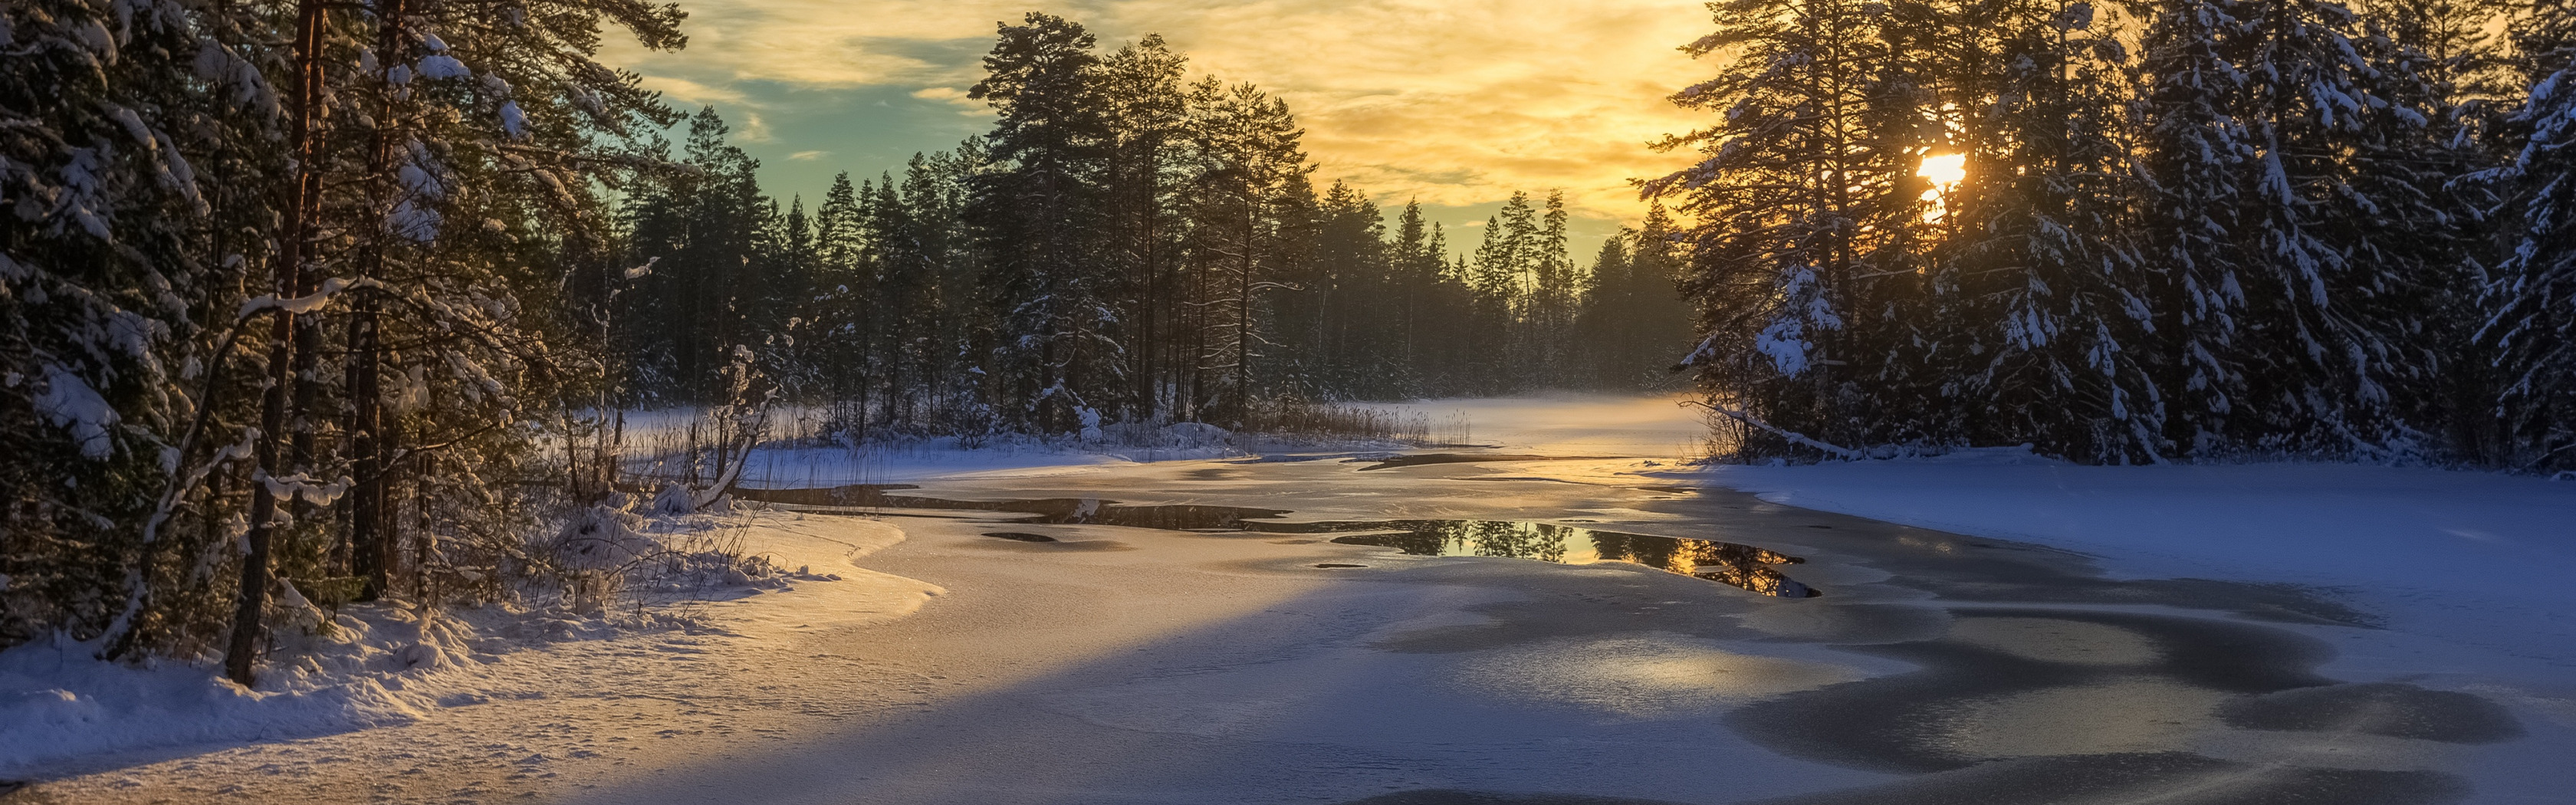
[[676, 500], [1197, 434]]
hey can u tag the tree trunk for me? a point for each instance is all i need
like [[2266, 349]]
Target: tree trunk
[[367, 533], [368, 536], [1243, 318], [242, 650]]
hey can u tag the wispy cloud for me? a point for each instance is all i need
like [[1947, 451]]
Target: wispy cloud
[[808, 156], [690, 92], [956, 97], [754, 129], [1451, 102]]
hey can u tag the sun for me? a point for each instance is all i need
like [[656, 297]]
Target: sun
[[1945, 171]]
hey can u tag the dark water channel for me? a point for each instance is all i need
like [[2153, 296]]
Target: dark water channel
[[1744, 566]]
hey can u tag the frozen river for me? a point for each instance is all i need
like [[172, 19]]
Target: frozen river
[[1338, 629], [1127, 664]]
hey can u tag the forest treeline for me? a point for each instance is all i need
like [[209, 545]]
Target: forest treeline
[[308, 302], [1126, 244], [2197, 229]]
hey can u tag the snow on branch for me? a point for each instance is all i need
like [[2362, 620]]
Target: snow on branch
[[306, 304], [71, 404], [303, 486]]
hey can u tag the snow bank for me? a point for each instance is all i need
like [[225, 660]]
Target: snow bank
[[376, 665], [389, 664], [57, 701], [2482, 557]]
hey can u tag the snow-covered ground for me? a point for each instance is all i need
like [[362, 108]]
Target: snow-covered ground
[[384, 666], [2484, 558], [917, 660]]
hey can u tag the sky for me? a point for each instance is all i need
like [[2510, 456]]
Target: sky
[[1454, 103]]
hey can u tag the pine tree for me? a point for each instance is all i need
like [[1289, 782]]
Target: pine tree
[[1038, 219], [708, 227], [1250, 178], [1148, 114], [839, 303], [1500, 275]]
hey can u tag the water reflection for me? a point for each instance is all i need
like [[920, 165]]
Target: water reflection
[[1046, 511], [1420, 459], [1743, 566]]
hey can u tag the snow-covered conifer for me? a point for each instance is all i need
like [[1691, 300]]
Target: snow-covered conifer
[[1796, 200], [2044, 301], [1038, 218], [120, 260], [2533, 293], [2284, 180]]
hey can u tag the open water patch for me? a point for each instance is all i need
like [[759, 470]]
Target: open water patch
[[1749, 567], [1019, 536], [1744, 566]]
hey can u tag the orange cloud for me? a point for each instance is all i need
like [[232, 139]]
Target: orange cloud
[[1452, 102]]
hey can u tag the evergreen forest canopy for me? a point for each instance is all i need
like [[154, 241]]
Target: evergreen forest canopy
[[1125, 245], [2200, 229]]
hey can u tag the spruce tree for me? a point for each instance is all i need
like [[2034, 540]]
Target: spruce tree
[[2045, 324], [1425, 290], [1602, 324], [1796, 196], [2533, 294], [121, 269], [1556, 291], [2193, 149]]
